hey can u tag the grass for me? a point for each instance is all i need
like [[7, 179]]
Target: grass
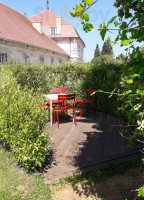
[[18, 185], [94, 176]]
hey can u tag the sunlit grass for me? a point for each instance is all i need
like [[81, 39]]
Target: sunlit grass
[[17, 184]]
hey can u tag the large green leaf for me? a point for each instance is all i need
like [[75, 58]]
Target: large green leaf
[[88, 2], [111, 20], [130, 81], [103, 31], [126, 42], [85, 17], [141, 191], [73, 14]]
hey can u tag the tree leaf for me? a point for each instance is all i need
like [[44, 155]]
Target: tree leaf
[[111, 20], [128, 91], [88, 2], [73, 14], [135, 34], [130, 81], [85, 16], [117, 38], [116, 23], [141, 191], [135, 75], [102, 33], [78, 9], [141, 92], [126, 42]]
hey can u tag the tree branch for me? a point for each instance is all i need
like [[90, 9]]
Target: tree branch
[[90, 5]]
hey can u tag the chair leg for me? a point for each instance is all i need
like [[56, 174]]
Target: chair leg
[[57, 119], [80, 110], [74, 113], [54, 116]]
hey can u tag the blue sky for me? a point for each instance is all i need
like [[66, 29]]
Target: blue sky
[[102, 11]]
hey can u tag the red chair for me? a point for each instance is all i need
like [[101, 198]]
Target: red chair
[[55, 91], [87, 101], [66, 106]]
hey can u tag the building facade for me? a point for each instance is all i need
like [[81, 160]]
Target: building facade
[[43, 38], [62, 32]]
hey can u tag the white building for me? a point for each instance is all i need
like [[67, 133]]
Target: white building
[[24, 40], [62, 32]]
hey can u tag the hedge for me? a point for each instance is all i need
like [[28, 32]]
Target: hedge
[[22, 121], [76, 77]]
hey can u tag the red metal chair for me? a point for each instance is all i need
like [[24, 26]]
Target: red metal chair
[[55, 91], [66, 106], [87, 101]]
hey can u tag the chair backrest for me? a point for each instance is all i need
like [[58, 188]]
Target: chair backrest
[[66, 97], [59, 90], [90, 91]]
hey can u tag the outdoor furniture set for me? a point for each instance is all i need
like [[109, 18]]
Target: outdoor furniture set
[[61, 101]]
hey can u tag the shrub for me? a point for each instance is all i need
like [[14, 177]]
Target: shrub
[[22, 121]]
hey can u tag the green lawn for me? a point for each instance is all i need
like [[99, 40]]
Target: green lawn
[[18, 185]]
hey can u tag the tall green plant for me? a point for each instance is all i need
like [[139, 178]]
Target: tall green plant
[[22, 122], [97, 51]]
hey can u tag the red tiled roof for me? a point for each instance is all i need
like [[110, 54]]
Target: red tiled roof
[[48, 20], [16, 27]]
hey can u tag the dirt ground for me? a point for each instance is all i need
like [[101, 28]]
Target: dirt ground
[[117, 187]]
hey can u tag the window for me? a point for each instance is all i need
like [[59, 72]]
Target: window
[[3, 57], [41, 60], [53, 31], [60, 61], [52, 61], [26, 60]]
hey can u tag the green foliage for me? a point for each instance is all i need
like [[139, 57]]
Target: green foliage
[[132, 88], [131, 30], [107, 48], [141, 191], [79, 11], [104, 60], [100, 74], [22, 121], [97, 51]]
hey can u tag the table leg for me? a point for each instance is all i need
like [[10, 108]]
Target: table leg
[[51, 113]]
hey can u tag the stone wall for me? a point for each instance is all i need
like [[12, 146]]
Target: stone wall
[[23, 53]]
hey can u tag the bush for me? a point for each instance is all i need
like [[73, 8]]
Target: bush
[[22, 121], [103, 60]]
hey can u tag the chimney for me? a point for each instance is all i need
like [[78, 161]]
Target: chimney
[[38, 26], [58, 24]]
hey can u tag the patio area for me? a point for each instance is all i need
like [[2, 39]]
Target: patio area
[[94, 142]]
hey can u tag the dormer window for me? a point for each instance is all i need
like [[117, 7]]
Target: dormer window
[[53, 31]]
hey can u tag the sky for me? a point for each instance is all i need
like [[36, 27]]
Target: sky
[[101, 12]]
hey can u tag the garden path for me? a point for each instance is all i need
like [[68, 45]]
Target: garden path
[[94, 142]]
